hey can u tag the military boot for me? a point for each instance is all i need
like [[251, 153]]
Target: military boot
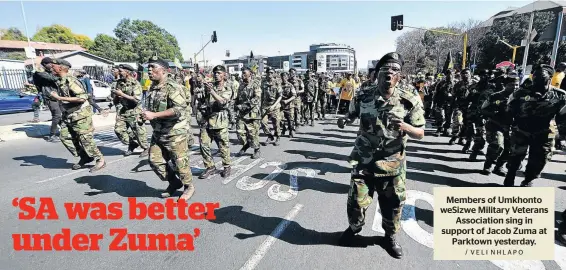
[[562, 232], [473, 156], [145, 153], [100, 164], [226, 172], [438, 132], [188, 192], [460, 141], [466, 147], [82, 163], [276, 142], [486, 168], [269, 140], [243, 150], [207, 173], [172, 188], [347, 237], [256, 154], [445, 133], [500, 170], [390, 244], [527, 183], [452, 140], [509, 180]]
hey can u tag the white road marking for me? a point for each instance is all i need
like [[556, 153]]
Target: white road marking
[[275, 192], [245, 184], [82, 170], [241, 169], [560, 254], [253, 261]]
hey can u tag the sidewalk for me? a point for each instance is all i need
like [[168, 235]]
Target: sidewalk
[[41, 129]]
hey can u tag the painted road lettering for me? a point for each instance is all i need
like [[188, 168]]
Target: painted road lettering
[[245, 184], [277, 194]]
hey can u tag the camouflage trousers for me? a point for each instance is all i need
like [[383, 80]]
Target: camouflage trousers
[[457, 122], [442, 121], [131, 132], [78, 138], [275, 118], [248, 132], [321, 106], [499, 144], [220, 136], [539, 145], [164, 148], [190, 136], [231, 114], [288, 120], [308, 111], [298, 104], [391, 197], [476, 132]]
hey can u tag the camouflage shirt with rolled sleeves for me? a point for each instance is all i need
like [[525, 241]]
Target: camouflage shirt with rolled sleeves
[[532, 111], [311, 90], [217, 117], [133, 88], [270, 92], [248, 101], [299, 86], [379, 148], [165, 96], [70, 86], [287, 92]]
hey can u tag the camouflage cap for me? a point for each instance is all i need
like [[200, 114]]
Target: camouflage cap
[[158, 61], [61, 62], [220, 68], [126, 67], [391, 57]]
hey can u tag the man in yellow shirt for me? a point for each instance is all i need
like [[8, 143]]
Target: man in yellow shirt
[[347, 88], [558, 75]]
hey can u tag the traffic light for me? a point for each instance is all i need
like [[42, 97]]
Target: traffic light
[[214, 38], [315, 65], [396, 22]]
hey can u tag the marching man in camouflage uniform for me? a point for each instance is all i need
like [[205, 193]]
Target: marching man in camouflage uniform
[[217, 98], [310, 97], [460, 106], [497, 127], [248, 112], [388, 118], [77, 132], [300, 90], [166, 111], [476, 124], [442, 103], [532, 109], [288, 95], [270, 107], [130, 127], [321, 96]]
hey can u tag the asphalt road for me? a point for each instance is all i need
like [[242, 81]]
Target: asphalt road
[[25, 117], [260, 224]]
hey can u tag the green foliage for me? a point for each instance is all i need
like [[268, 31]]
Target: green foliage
[[12, 33], [14, 55], [61, 34], [112, 48]]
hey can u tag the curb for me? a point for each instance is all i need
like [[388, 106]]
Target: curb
[[38, 130]]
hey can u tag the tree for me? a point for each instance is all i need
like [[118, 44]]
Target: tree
[[61, 34], [112, 48], [83, 40], [12, 33]]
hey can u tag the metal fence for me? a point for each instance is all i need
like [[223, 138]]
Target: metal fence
[[16, 78]]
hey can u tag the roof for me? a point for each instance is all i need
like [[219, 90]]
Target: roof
[[539, 5], [489, 22], [13, 44], [68, 54], [11, 60]]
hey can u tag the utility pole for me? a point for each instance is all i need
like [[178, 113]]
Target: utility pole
[[27, 34], [526, 55]]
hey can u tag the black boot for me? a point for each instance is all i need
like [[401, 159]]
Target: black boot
[[347, 238], [466, 148], [393, 248], [243, 150], [256, 154], [500, 170], [226, 172], [452, 140], [174, 185], [473, 156], [207, 173], [82, 162], [527, 183], [460, 141], [486, 168], [509, 180]]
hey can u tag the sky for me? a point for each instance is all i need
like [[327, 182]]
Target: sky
[[266, 28]]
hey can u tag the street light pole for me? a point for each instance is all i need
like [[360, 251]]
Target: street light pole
[[526, 55], [27, 33]]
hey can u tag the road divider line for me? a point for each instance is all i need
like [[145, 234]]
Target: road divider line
[[254, 260]]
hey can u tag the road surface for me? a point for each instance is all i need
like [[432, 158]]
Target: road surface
[[260, 224], [25, 117]]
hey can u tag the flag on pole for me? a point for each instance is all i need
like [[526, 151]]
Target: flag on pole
[[178, 63], [448, 64]]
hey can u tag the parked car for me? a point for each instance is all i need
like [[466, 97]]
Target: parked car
[[12, 101], [100, 90]]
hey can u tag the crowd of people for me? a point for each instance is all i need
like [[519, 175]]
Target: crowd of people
[[493, 108]]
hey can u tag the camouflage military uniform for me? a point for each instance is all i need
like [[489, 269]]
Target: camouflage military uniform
[[248, 111], [232, 115], [367, 90], [189, 113], [476, 124], [169, 138], [460, 107], [310, 99], [531, 130], [297, 102], [77, 131], [129, 127], [288, 110], [442, 104], [380, 153], [270, 93], [215, 125], [321, 97]]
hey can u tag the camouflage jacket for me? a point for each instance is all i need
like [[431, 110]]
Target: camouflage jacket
[[461, 93], [287, 92], [270, 92], [532, 111], [322, 86], [165, 96], [299, 86], [478, 95], [379, 148], [443, 93], [311, 90], [248, 101], [367, 91], [130, 87], [216, 116], [494, 109], [189, 99], [70, 86]]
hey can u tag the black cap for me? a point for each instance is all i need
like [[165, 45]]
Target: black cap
[[547, 68], [126, 67], [293, 69], [46, 60], [62, 62], [268, 69], [391, 57], [512, 77], [219, 68], [159, 61]]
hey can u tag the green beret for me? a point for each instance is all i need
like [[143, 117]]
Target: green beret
[[126, 67], [61, 62], [159, 61], [391, 57], [219, 68]]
